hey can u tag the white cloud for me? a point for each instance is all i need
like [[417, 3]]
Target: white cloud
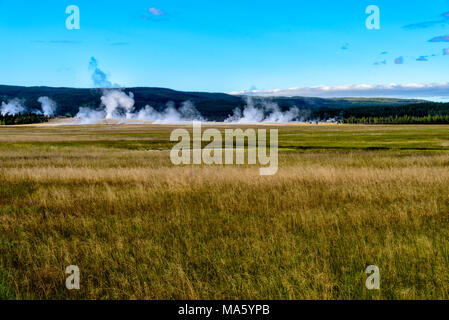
[[412, 90], [156, 11], [399, 60]]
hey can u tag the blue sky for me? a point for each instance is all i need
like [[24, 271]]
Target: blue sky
[[210, 45]]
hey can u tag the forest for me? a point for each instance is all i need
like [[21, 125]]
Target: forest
[[26, 118]]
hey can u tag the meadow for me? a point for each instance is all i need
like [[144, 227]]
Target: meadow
[[108, 199]]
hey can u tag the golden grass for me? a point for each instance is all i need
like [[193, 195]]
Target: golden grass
[[140, 228]]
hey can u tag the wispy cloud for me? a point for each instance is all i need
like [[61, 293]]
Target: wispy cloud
[[444, 20], [399, 60], [381, 62], [413, 90], [119, 43], [64, 41], [154, 14], [156, 11], [57, 41], [440, 39]]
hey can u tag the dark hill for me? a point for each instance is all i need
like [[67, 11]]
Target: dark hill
[[217, 106]]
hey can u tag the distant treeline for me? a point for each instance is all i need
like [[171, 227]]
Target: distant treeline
[[417, 110], [429, 119], [26, 118]]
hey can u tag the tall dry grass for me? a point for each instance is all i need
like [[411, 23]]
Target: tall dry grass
[[140, 228]]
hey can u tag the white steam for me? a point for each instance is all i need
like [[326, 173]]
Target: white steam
[[119, 106], [48, 106], [117, 102], [187, 113], [16, 106], [89, 116], [12, 108], [269, 112]]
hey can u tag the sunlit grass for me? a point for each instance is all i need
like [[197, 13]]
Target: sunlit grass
[[108, 200]]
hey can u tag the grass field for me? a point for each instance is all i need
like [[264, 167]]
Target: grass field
[[108, 199]]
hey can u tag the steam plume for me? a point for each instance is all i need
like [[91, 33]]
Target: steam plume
[[99, 77], [13, 107], [119, 105], [186, 113], [269, 112], [48, 106], [89, 116]]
